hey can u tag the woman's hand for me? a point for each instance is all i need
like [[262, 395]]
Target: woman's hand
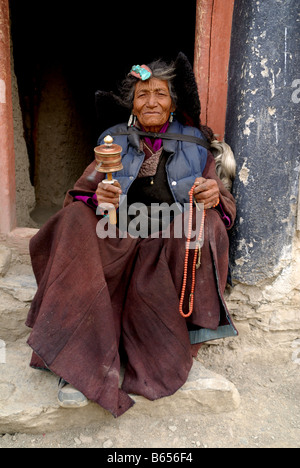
[[207, 192], [109, 193]]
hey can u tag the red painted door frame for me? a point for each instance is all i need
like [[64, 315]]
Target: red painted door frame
[[212, 51], [7, 152]]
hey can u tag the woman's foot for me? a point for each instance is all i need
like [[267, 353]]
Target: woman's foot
[[69, 397]]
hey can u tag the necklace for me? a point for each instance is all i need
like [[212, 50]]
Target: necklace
[[186, 260]]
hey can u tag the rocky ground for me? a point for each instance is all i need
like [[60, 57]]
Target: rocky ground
[[268, 415]]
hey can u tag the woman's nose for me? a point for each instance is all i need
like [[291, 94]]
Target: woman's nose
[[152, 101]]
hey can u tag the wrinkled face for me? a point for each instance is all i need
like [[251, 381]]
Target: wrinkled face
[[152, 104]]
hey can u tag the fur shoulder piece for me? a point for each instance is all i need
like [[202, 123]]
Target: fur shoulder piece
[[225, 162]]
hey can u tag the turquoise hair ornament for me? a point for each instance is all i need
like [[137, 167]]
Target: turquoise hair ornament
[[142, 72]]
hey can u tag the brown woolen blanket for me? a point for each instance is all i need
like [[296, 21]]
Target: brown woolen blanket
[[96, 296]]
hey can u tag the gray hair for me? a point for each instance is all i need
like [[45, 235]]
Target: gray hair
[[160, 70]]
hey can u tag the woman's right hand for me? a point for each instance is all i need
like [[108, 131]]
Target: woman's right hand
[[109, 193]]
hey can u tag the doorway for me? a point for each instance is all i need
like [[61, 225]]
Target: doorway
[[63, 53]]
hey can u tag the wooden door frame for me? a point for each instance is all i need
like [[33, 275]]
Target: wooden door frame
[[212, 51], [7, 151]]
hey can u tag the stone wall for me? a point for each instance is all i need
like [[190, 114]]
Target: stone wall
[[17, 285], [267, 314]]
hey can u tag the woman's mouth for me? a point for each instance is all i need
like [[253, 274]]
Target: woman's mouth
[[151, 113]]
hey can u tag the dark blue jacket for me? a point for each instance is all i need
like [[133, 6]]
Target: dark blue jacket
[[186, 161]]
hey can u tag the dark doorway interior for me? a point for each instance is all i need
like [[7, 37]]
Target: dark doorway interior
[[63, 53]]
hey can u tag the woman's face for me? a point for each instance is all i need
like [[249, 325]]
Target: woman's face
[[152, 104]]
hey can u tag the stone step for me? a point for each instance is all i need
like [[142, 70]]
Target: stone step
[[21, 287], [28, 401]]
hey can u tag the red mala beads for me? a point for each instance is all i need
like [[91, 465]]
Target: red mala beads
[[186, 260]]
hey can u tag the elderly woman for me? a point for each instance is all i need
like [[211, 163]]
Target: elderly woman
[[101, 298]]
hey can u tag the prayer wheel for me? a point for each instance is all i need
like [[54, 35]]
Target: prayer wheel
[[108, 158]]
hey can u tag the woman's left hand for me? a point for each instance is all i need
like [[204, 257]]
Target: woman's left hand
[[207, 192]]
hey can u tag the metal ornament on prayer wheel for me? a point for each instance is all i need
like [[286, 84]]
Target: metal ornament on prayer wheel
[[108, 158]]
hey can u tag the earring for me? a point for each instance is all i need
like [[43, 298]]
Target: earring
[[131, 121], [171, 118]]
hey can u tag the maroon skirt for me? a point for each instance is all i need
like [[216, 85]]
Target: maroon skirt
[[99, 297]]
